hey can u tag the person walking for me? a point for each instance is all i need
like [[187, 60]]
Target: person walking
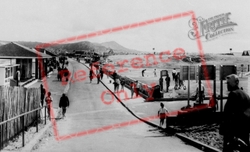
[[43, 92], [133, 88], [176, 80], [122, 83], [161, 83], [167, 79], [162, 114], [114, 75], [202, 92], [101, 73], [174, 72], [59, 75], [90, 75], [98, 75], [155, 73], [49, 101], [117, 84], [236, 117], [137, 85], [64, 103]]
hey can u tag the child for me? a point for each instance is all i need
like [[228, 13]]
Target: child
[[162, 113]]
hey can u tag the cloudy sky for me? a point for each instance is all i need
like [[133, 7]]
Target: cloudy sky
[[51, 20]]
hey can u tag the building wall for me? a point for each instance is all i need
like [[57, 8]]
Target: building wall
[[25, 68]]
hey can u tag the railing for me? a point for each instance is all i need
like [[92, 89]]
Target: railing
[[3, 141]]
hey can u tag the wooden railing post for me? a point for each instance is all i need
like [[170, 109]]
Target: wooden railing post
[[45, 114], [1, 138], [37, 120], [22, 120]]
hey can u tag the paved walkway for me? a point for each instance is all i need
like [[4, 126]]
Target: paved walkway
[[57, 88]]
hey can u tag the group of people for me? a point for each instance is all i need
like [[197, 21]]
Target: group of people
[[63, 103], [62, 70], [177, 79], [98, 74], [135, 88], [167, 81], [117, 82], [143, 71]]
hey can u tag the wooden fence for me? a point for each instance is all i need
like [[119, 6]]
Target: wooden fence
[[13, 102]]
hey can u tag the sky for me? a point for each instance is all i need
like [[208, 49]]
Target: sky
[[52, 20]]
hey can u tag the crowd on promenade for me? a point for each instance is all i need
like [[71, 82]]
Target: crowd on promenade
[[46, 98]]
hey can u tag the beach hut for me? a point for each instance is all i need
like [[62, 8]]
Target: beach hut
[[14, 55]]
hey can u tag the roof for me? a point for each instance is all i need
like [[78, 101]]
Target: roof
[[6, 66], [17, 51], [45, 51]]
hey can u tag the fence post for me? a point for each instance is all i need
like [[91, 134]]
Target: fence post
[[45, 114], [6, 138], [37, 120], [22, 120], [1, 137]]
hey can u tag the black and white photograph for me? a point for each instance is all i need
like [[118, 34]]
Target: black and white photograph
[[124, 75]]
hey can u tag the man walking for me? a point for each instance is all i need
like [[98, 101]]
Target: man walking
[[98, 75], [122, 83], [48, 101], [236, 117], [137, 85], [43, 92], [101, 73], [64, 103], [155, 73], [174, 72], [90, 75], [161, 83], [167, 79]]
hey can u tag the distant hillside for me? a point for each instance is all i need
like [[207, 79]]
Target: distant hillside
[[83, 45], [118, 48]]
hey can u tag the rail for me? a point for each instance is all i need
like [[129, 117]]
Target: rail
[[2, 142]]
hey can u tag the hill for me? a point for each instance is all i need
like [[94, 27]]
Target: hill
[[83, 45], [118, 48]]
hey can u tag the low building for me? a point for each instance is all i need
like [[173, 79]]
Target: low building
[[14, 55]]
